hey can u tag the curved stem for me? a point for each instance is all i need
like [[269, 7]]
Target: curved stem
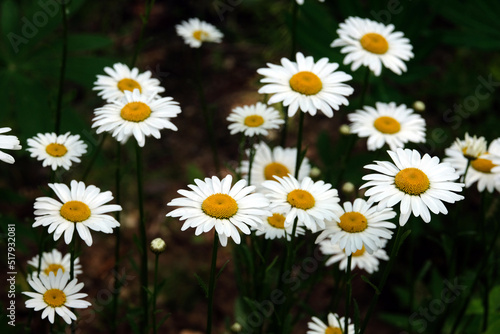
[[144, 248], [211, 283], [63, 68]]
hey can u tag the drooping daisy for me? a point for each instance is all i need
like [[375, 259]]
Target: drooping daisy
[[53, 261], [55, 295], [278, 161], [312, 202], [306, 85], [274, 227], [80, 207], [253, 120], [359, 226], [57, 151], [8, 142], [373, 44], [195, 32], [121, 79], [138, 115], [482, 161], [419, 183], [388, 124], [214, 203], [335, 325], [360, 259]]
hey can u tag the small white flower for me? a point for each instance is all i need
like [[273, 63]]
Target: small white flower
[[306, 85], [388, 124], [373, 44], [121, 78], [195, 32], [136, 115], [55, 295], [57, 151], [8, 142], [311, 202], [419, 183], [274, 228], [81, 208], [255, 119], [53, 261], [335, 325], [215, 203]]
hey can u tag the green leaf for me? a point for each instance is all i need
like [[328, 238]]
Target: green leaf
[[202, 284], [494, 328], [222, 269], [367, 280]]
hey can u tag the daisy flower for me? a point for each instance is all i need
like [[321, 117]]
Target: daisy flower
[[57, 151], [335, 325], [253, 120], [268, 163], [80, 207], [53, 261], [274, 228], [301, 2], [373, 44], [195, 32], [8, 142], [360, 259], [388, 124], [214, 203], [121, 78], [419, 183], [55, 295], [306, 85], [483, 162], [359, 226], [312, 202], [138, 115]]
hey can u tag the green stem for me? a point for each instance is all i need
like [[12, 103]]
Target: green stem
[[142, 227], [241, 152], [295, 11], [250, 160], [117, 284], [72, 273], [93, 159], [298, 160], [157, 255], [145, 20], [63, 68], [385, 275], [211, 283], [284, 130], [364, 90], [348, 292], [207, 114]]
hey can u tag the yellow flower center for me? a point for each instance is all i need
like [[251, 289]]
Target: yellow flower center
[[386, 124], [54, 267], [301, 199], [135, 112], [359, 252], [200, 35], [254, 121], [306, 83], [412, 181], [374, 43], [220, 206], [277, 220], [56, 150], [275, 169], [54, 298], [129, 84], [353, 222], [333, 330], [75, 211], [483, 165]]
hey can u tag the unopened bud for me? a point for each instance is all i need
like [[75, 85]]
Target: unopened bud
[[419, 106], [315, 172], [345, 129], [236, 328], [157, 245], [348, 188]]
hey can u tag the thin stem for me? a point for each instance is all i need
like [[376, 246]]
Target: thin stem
[[364, 89], [140, 43], [298, 160], [62, 71], [207, 114], [250, 161], [117, 284], [348, 292], [72, 274], [466, 170], [385, 275], [295, 11], [284, 130], [142, 227], [241, 152], [211, 283], [157, 255], [93, 159]]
